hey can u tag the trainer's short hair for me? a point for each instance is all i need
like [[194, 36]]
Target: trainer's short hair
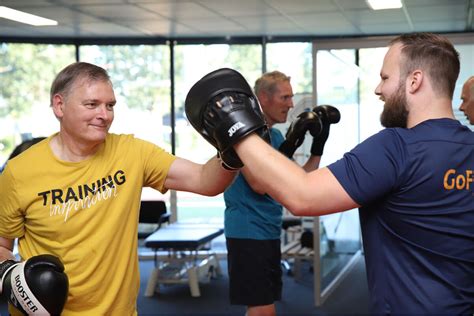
[[435, 55]]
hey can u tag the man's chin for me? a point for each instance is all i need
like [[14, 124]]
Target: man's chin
[[98, 137]]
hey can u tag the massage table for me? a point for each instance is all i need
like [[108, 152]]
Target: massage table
[[185, 258]]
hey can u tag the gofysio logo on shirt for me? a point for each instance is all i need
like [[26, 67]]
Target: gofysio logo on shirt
[[455, 180]]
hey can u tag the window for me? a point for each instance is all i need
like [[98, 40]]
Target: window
[[192, 62], [27, 71], [338, 77], [466, 53]]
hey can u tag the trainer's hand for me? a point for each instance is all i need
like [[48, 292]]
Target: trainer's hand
[[229, 158], [306, 121], [223, 109], [329, 115], [37, 286]]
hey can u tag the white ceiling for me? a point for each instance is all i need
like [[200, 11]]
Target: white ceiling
[[235, 18]]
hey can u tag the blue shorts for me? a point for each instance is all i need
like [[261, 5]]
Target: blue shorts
[[255, 276]]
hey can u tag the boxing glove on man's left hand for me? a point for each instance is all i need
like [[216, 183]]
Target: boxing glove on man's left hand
[[306, 121], [223, 109], [329, 115], [37, 286]]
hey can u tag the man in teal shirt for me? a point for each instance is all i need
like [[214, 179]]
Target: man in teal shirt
[[253, 220]]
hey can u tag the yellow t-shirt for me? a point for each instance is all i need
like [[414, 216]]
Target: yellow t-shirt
[[86, 213]]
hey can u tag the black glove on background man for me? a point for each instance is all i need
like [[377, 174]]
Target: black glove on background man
[[306, 121], [328, 115]]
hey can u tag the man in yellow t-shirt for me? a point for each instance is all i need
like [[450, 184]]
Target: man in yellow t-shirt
[[76, 194]]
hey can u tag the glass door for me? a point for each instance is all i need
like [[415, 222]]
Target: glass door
[[337, 236]]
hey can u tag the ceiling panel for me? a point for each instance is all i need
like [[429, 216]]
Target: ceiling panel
[[217, 25], [385, 28], [119, 13], [161, 28], [269, 25], [240, 8], [227, 18], [67, 16], [111, 29], [180, 10], [22, 3], [436, 13], [304, 6]]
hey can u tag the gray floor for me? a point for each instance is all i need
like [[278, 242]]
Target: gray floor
[[349, 298]]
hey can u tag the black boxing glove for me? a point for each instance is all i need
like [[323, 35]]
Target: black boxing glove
[[306, 121], [223, 109], [37, 286], [329, 115]]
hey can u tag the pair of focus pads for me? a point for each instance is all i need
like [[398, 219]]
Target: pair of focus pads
[[223, 109]]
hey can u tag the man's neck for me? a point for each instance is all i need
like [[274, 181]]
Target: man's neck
[[67, 149], [437, 110]]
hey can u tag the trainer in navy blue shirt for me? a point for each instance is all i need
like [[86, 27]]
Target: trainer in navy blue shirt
[[412, 182]]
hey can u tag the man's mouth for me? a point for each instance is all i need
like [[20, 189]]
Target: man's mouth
[[99, 126]]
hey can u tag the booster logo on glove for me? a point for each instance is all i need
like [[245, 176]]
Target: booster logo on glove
[[21, 290], [37, 286]]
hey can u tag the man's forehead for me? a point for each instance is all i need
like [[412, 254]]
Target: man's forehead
[[86, 81], [283, 87], [392, 58], [394, 52]]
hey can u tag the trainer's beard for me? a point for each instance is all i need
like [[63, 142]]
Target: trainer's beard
[[395, 113]]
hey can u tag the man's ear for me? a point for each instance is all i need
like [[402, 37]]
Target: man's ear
[[263, 98], [414, 80], [57, 103]]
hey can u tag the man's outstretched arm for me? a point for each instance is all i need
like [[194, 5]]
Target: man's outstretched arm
[[303, 194]]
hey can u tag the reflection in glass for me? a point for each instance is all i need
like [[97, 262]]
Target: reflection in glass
[[338, 85]]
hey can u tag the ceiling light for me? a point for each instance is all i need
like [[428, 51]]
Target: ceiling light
[[23, 17], [384, 4]]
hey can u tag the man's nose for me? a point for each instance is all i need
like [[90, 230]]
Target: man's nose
[[102, 111], [377, 90]]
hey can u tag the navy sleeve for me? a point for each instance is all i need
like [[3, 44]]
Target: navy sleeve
[[373, 168]]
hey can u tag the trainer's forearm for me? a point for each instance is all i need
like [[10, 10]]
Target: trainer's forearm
[[303, 194], [280, 177]]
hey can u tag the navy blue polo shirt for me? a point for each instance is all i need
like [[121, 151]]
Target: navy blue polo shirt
[[415, 187]]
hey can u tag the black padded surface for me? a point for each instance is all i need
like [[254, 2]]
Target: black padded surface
[[182, 236]]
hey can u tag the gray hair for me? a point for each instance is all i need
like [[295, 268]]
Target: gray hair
[[268, 82], [65, 79]]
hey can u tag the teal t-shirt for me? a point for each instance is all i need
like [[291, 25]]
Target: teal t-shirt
[[250, 215]]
